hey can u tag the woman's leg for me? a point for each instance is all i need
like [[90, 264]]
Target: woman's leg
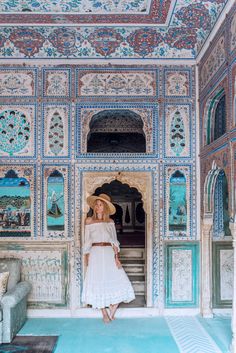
[[113, 308], [105, 315]]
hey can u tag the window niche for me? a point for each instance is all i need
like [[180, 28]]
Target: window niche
[[216, 117], [177, 203], [221, 207], [116, 131], [55, 202]]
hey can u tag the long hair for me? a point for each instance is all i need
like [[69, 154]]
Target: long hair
[[106, 215]]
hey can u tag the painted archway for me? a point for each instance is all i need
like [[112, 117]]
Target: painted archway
[[142, 181]]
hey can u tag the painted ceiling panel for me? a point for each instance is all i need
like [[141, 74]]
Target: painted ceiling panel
[[107, 28]]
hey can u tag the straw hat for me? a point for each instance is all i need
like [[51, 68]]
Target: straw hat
[[103, 197]]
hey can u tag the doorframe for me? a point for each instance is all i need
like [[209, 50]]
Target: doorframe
[[142, 181]]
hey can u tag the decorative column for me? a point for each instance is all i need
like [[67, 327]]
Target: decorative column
[[233, 320], [206, 260]]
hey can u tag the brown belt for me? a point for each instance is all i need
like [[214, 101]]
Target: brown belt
[[101, 244]]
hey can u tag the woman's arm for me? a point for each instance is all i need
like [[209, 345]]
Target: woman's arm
[[115, 245], [87, 241]]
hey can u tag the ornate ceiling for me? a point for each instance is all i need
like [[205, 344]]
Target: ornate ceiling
[[108, 28]]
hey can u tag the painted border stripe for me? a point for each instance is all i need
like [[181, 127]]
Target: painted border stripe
[[190, 336]]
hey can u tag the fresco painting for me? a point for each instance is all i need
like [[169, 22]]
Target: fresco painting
[[14, 205], [55, 202], [177, 202]]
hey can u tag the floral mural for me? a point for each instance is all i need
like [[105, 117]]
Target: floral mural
[[55, 201], [177, 202]]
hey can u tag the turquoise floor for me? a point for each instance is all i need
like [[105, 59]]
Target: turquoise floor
[[136, 335]]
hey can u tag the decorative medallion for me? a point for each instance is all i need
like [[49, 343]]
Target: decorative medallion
[[105, 40], [27, 40], [144, 41]]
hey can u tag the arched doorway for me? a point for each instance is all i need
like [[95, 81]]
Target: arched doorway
[[217, 251], [135, 250], [116, 131], [130, 226]]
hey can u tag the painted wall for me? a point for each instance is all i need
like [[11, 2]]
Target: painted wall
[[217, 72], [44, 117]]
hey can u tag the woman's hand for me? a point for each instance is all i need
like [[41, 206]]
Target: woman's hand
[[117, 261], [86, 259]]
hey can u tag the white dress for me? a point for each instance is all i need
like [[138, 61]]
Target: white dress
[[104, 282]]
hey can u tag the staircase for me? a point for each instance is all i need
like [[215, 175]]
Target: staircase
[[133, 262]]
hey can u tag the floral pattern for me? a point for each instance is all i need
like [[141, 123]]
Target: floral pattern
[[105, 40], [14, 131], [144, 41], [28, 41]]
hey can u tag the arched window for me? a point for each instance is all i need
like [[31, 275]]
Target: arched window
[[55, 201], [220, 118], [221, 213], [177, 202], [216, 117], [116, 131]]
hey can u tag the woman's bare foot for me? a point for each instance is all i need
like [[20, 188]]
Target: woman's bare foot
[[113, 308], [106, 318]]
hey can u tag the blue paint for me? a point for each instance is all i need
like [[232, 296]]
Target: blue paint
[[219, 328], [137, 335]]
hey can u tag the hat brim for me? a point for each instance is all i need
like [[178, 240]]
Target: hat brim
[[92, 199]]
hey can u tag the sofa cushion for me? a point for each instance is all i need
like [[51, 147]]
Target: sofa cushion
[[13, 266]]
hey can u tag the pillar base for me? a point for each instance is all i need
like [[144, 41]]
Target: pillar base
[[207, 314]]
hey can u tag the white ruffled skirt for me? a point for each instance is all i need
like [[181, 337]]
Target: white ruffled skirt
[[104, 282]]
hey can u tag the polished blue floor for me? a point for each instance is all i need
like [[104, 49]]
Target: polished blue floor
[[135, 335]]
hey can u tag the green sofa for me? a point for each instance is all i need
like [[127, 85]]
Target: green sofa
[[13, 305]]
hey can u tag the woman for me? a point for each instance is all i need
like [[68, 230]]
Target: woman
[[106, 284]]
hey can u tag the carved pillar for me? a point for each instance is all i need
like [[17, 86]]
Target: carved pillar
[[206, 278], [233, 322]]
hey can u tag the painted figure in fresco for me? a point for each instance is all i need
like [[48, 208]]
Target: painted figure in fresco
[[55, 211], [106, 284]]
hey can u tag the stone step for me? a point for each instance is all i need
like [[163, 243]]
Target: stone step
[[139, 287], [139, 270], [132, 253], [136, 278], [132, 261]]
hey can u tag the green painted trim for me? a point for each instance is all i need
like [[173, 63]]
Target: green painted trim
[[216, 301], [209, 115], [194, 247]]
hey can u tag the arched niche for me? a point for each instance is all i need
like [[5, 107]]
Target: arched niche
[[215, 117], [221, 207], [139, 120], [177, 203], [55, 202], [116, 131]]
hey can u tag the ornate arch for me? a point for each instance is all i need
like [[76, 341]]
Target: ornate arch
[[209, 111], [209, 188], [144, 113], [139, 180]]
